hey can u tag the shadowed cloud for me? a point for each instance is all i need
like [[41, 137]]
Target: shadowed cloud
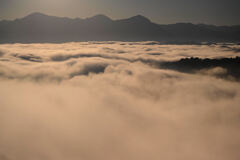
[[29, 57]]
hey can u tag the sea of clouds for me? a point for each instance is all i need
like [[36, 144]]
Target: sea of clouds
[[113, 101]]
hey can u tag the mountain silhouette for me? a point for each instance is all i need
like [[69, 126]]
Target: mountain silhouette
[[195, 64], [38, 27]]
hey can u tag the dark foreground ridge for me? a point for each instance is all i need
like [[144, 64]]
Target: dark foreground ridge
[[227, 68], [39, 28]]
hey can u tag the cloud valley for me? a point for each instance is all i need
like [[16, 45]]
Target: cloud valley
[[113, 100]]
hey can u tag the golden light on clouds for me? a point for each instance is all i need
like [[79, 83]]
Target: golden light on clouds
[[105, 100]]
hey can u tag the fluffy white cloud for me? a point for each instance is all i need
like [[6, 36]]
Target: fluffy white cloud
[[96, 100]]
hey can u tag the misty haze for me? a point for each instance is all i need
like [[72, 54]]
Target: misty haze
[[136, 88]]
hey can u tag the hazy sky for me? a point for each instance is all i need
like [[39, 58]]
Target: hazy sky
[[220, 12]]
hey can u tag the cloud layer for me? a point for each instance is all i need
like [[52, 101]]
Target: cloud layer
[[108, 100]]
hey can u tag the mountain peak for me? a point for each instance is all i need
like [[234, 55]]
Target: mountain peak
[[35, 15], [100, 17], [140, 18]]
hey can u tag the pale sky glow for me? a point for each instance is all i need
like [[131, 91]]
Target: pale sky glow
[[220, 12]]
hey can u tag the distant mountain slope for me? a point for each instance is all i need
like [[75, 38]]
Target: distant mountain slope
[[38, 27], [224, 67]]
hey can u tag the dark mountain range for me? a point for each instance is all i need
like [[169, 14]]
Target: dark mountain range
[[196, 65], [38, 27]]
